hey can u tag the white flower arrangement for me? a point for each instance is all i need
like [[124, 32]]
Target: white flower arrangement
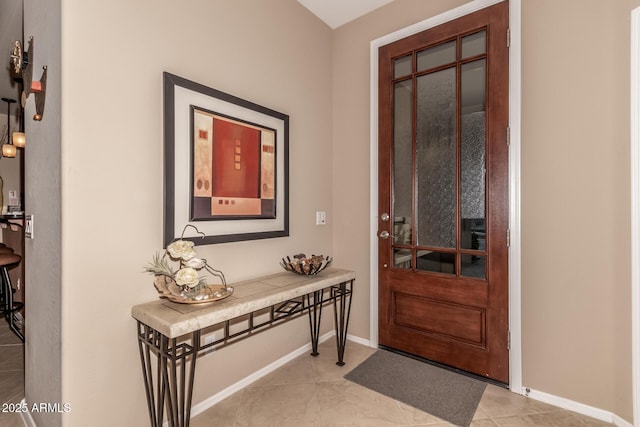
[[188, 277], [185, 282], [181, 249]]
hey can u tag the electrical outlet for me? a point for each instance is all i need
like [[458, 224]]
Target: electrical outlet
[[321, 218]]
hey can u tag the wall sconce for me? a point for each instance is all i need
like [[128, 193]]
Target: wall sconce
[[8, 149], [19, 139], [22, 69]]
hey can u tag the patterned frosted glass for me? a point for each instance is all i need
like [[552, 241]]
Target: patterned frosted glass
[[436, 159], [402, 160], [472, 153]]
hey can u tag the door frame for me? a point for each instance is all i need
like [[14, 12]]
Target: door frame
[[515, 353], [635, 211]]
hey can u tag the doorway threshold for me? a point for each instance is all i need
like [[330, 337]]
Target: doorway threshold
[[447, 367]]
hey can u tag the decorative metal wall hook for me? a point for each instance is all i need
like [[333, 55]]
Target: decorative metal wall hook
[[40, 94], [15, 59], [18, 61], [27, 78], [22, 70], [21, 61]]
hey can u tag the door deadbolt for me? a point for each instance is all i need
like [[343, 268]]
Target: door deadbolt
[[384, 217]]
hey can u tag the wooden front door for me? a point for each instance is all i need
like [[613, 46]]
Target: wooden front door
[[443, 194]]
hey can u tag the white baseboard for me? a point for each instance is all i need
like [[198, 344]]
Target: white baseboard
[[574, 406], [358, 340]]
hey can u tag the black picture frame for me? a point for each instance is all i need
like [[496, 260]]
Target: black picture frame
[[181, 97]]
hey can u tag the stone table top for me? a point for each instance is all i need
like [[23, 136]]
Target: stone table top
[[174, 319]]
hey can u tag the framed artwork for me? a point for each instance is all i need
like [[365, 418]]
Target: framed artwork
[[226, 166]]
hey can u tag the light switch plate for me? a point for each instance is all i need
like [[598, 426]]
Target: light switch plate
[[321, 218], [28, 226]]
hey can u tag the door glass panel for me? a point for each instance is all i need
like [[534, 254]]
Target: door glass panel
[[402, 258], [473, 234], [474, 266], [474, 44], [402, 66], [436, 56], [437, 262], [472, 154], [402, 162], [436, 159]]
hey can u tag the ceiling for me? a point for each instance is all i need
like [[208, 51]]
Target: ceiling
[[338, 12], [10, 31]]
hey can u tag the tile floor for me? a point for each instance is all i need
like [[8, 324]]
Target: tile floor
[[310, 392], [11, 374]]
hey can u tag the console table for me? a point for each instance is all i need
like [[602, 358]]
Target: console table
[[170, 335]]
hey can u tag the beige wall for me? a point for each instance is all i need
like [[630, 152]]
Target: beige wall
[[575, 182], [576, 289], [273, 53], [576, 315]]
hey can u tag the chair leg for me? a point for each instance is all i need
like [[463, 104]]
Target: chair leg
[[3, 292], [9, 305], [3, 299]]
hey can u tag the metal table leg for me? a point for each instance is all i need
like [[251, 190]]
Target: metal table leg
[[341, 295], [175, 374], [315, 316], [148, 339]]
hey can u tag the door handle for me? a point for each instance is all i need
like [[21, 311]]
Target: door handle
[[384, 234]]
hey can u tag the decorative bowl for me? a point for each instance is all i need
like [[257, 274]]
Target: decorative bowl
[[305, 266], [169, 289]]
